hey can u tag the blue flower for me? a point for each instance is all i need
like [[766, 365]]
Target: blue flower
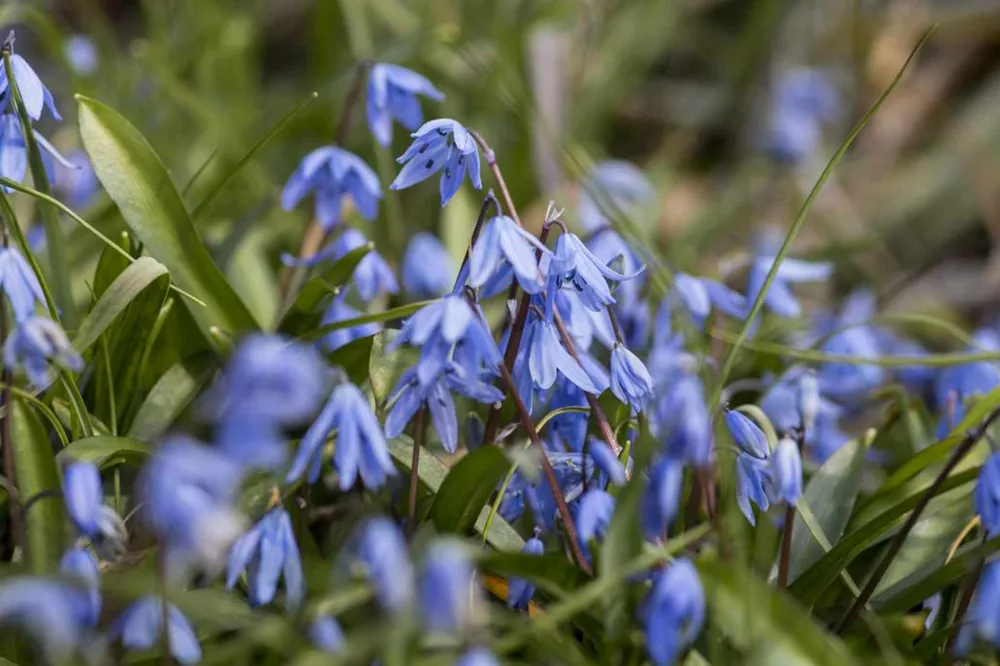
[[583, 324], [34, 93], [662, 497], [547, 358], [612, 250], [268, 552], [683, 421], [380, 551], [593, 517], [611, 470], [81, 54], [372, 276], [14, 153], [19, 283], [630, 380], [571, 427], [747, 434], [699, 295], [331, 173], [987, 495], [786, 471], [189, 494], [804, 99], [779, 298], [77, 184], [503, 242], [361, 450], [674, 612], [519, 590], [440, 144], [477, 656], [392, 93], [79, 564], [141, 628], [84, 498], [427, 267], [55, 615], [573, 265], [326, 634], [338, 311], [958, 383], [752, 485], [446, 587], [982, 621], [808, 399], [615, 186], [36, 346]]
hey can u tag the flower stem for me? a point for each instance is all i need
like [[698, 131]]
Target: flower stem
[[971, 583], [418, 438], [960, 452], [786, 534], [6, 441], [488, 200]]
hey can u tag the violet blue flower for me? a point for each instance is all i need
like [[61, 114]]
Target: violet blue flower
[[372, 276], [80, 565], [612, 187], [35, 95], [379, 549], [987, 495], [982, 622], [392, 93], [331, 173], [674, 612], [339, 311], [268, 552], [39, 346], [593, 517], [786, 471], [519, 590], [752, 485], [477, 656], [803, 101], [19, 283], [501, 242], [141, 628], [547, 358], [780, 299], [55, 615], [662, 497], [747, 434], [630, 380], [574, 265], [81, 54], [427, 267], [326, 634], [446, 587], [14, 152], [440, 144], [84, 499], [683, 421]]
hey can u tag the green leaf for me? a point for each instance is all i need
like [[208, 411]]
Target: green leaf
[[302, 315], [35, 472], [763, 624], [126, 287], [622, 544], [401, 312], [104, 449], [354, 358], [830, 495], [385, 368], [464, 493], [137, 181], [171, 394], [551, 572]]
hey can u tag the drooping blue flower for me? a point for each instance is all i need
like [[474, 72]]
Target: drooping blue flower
[[361, 451], [331, 173], [267, 552], [583, 324], [140, 627], [803, 101], [779, 299], [752, 484], [380, 551], [519, 590], [569, 428], [683, 422], [808, 399], [78, 184], [427, 268], [81, 54], [674, 612], [630, 380], [612, 250], [39, 346], [34, 93], [477, 656], [786, 471], [987, 495], [747, 434], [982, 621], [662, 497], [956, 384], [84, 499], [372, 276], [80, 565], [781, 403], [699, 295], [55, 615], [14, 152], [503, 242], [575, 266], [610, 468], [326, 634], [446, 587], [547, 358], [392, 93], [612, 188], [852, 334], [572, 471], [19, 283], [339, 311], [189, 494], [593, 517], [440, 144]]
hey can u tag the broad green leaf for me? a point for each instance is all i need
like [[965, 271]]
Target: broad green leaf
[[35, 472], [137, 181], [622, 544], [104, 449], [354, 358], [302, 315], [171, 394], [401, 312], [468, 486], [551, 572], [385, 368], [126, 287], [763, 624], [830, 495]]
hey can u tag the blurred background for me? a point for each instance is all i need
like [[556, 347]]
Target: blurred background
[[699, 94]]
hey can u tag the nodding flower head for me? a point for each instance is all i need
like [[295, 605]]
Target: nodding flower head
[[19, 284], [427, 268], [753, 484], [779, 298], [612, 188], [392, 93], [39, 346], [786, 471], [747, 434], [547, 358], [576, 266], [84, 500], [34, 93], [268, 552], [520, 591], [987, 495], [379, 552], [593, 517], [372, 276], [339, 311], [630, 380], [982, 621], [501, 243], [332, 173], [57, 616], [803, 101], [662, 497], [674, 611], [326, 634], [447, 588], [141, 628], [442, 144]]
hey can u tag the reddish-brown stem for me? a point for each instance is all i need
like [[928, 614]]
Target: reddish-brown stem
[[488, 200], [418, 438]]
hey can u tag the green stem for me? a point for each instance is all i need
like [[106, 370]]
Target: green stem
[[12, 225]]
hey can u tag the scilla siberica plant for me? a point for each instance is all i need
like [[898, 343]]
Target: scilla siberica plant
[[562, 455]]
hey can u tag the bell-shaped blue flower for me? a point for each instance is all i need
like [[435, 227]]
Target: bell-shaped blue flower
[[392, 93], [55, 615], [786, 471], [780, 299], [752, 485], [332, 173], [339, 311], [610, 468], [77, 185], [699, 295], [372, 276], [34, 93], [987, 495], [19, 284], [662, 497], [808, 399], [519, 590], [427, 268], [361, 451], [612, 250], [574, 265], [441, 326], [747, 434], [140, 627], [683, 422], [442, 144], [803, 100], [547, 358], [982, 622], [326, 634], [446, 587], [674, 612], [39, 346], [630, 380], [84, 499], [82, 55], [380, 551], [477, 656], [612, 188], [569, 428], [503, 242], [79, 564], [14, 151], [958, 383], [268, 552], [593, 517]]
